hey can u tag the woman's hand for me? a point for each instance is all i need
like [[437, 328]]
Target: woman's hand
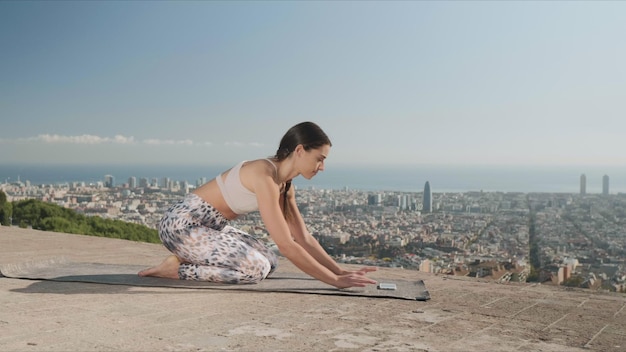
[[355, 278]]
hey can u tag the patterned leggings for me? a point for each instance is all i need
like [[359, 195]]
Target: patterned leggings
[[209, 249]]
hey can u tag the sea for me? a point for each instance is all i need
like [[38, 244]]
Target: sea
[[404, 178]]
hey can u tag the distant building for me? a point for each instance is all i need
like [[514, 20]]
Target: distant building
[[184, 187], [397, 241], [605, 185], [109, 181], [403, 202], [338, 238], [201, 181], [426, 265], [583, 184], [374, 199], [564, 273], [132, 182], [166, 183], [427, 200]]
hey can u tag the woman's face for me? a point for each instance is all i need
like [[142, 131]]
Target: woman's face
[[312, 161]]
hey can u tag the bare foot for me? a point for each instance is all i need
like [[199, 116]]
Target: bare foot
[[167, 269]]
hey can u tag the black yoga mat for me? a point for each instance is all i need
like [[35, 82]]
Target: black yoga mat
[[119, 274]]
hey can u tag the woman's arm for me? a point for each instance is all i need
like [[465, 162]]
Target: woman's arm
[[310, 244], [267, 193]]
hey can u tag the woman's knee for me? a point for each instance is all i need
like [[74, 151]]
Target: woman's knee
[[257, 269]]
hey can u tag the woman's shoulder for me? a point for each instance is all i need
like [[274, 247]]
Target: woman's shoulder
[[263, 164], [260, 167], [258, 173]]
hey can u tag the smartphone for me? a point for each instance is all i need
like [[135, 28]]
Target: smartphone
[[386, 286]]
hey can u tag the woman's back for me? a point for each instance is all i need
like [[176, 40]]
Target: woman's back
[[232, 192]]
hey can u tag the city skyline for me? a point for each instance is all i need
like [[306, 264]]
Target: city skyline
[[408, 179], [437, 83]]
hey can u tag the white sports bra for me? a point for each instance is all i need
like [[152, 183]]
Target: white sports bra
[[239, 199]]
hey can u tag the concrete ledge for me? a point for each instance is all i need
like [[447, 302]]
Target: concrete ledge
[[462, 315]]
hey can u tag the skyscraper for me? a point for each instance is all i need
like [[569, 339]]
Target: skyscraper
[[132, 182], [109, 181], [605, 185], [374, 199], [583, 184], [428, 199], [165, 183]]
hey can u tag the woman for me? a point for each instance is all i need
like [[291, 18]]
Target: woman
[[205, 248]]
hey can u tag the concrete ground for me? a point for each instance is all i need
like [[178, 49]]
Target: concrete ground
[[463, 314]]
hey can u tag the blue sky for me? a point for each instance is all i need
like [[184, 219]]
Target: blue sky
[[204, 82]]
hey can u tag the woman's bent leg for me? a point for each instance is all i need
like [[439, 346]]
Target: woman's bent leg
[[256, 244], [227, 256], [208, 250]]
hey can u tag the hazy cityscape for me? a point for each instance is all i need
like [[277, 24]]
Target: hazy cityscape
[[579, 239]]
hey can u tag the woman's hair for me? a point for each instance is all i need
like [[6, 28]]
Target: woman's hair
[[310, 136]]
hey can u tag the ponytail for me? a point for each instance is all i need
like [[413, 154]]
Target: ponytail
[[287, 213]]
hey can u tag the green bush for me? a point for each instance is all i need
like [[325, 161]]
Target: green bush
[[51, 217]]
